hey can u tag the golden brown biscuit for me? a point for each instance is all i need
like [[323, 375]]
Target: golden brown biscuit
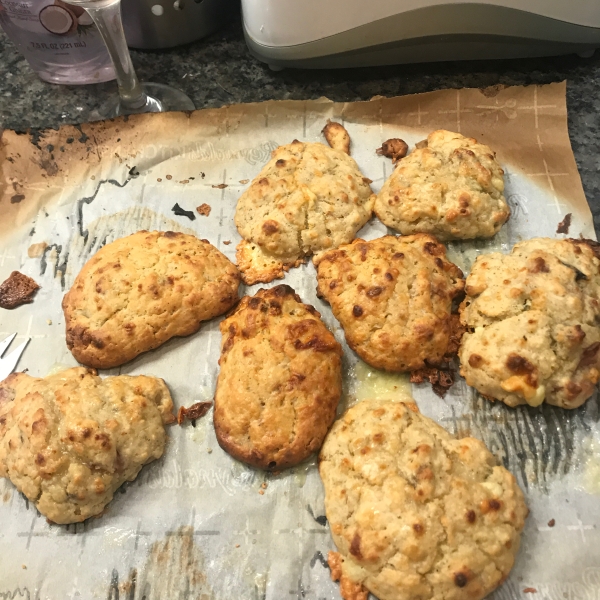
[[393, 297], [68, 441], [414, 512], [452, 188], [139, 291], [306, 199], [280, 380], [533, 323]]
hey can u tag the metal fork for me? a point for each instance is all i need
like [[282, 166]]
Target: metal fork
[[8, 364]]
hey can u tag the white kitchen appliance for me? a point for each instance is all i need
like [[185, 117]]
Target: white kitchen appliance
[[355, 33]]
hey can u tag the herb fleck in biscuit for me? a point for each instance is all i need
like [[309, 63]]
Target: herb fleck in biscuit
[[533, 323], [307, 198], [280, 380], [141, 290], [451, 188], [414, 512], [68, 441], [393, 297]]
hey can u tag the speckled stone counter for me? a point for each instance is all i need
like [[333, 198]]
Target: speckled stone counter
[[219, 70]]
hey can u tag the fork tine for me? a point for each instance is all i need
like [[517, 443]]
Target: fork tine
[[8, 364], [6, 343]]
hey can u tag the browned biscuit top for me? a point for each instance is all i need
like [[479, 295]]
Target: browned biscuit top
[[68, 441], [280, 380], [393, 297], [141, 290]]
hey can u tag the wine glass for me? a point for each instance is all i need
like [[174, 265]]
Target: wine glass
[[134, 96]]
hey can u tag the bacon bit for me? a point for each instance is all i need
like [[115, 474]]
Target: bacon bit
[[244, 181], [203, 209], [441, 379], [196, 411], [563, 226], [394, 148], [221, 186], [551, 523], [227, 242], [530, 591]]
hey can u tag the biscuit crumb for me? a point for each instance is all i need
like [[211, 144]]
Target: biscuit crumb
[[195, 411], [159, 179], [563, 226], [169, 177], [244, 181], [394, 148], [93, 177], [530, 590], [261, 492], [203, 209], [209, 450], [184, 181], [23, 566], [551, 523], [227, 242], [36, 250], [221, 186], [237, 545], [49, 321], [264, 485], [18, 289], [180, 212], [337, 136]]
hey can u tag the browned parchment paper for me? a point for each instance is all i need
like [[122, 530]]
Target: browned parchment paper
[[197, 524]]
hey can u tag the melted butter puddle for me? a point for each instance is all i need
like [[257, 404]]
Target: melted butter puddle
[[373, 384], [591, 466]]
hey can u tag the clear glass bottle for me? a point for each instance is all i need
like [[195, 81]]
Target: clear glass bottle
[[60, 41]]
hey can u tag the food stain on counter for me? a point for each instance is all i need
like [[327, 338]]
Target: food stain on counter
[[369, 383]]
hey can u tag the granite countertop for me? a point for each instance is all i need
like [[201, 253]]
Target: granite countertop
[[219, 70]]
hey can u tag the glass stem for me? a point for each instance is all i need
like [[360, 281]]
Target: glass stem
[[108, 21]]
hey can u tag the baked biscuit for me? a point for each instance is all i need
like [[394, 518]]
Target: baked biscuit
[[280, 380], [414, 512], [533, 323], [451, 188], [68, 441], [393, 297], [307, 198], [139, 291]]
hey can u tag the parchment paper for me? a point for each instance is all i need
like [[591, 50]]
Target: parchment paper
[[194, 525]]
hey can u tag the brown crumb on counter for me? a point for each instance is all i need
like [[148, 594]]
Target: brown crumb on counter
[[237, 545], [530, 590], [264, 485], [563, 226], [551, 523], [394, 148], [203, 209], [261, 492], [169, 177], [16, 290], [184, 181], [196, 411], [244, 181], [221, 186], [227, 242], [159, 179]]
